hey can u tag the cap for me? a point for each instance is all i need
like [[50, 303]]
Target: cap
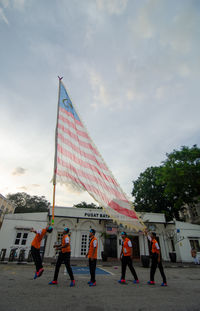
[[66, 230]]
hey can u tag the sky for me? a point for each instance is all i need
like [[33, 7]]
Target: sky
[[132, 69]]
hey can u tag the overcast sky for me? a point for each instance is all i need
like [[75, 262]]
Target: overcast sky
[[132, 69]]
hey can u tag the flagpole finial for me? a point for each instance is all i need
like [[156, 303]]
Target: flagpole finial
[[60, 78]]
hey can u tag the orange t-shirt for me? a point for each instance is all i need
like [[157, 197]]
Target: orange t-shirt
[[155, 247], [66, 239], [93, 244], [127, 247], [38, 238]]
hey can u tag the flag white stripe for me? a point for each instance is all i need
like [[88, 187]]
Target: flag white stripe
[[68, 145], [107, 179], [84, 177]]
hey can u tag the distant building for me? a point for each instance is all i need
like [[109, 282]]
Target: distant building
[[191, 213], [6, 207]]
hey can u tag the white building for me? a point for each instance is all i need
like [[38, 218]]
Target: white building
[[15, 231], [173, 237]]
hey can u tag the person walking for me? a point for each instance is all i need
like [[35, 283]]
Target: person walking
[[126, 257], [92, 255], [35, 249], [64, 256], [156, 259]]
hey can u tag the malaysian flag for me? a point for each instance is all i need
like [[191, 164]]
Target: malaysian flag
[[79, 163]]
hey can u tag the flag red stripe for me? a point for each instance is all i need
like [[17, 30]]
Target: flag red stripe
[[69, 114], [87, 187], [92, 189], [84, 164], [70, 124], [75, 137], [81, 152], [122, 210], [92, 178]]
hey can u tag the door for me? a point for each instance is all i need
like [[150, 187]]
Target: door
[[110, 246]]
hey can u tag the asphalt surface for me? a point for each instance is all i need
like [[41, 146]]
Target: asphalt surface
[[19, 292]]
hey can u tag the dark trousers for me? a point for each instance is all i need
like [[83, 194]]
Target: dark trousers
[[127, 261], [154, 265], [36, 258], [92, 267], [63, 257]]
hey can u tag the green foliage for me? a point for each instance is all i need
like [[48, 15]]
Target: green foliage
[[28, 204], [86, 205], [168, 187]]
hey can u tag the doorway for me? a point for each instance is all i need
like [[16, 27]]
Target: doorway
[[110, 247]]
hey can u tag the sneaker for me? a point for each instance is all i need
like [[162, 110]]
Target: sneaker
[[72, 284], [35, 276], [163, 284], [122, 281], [151, 282], [136, 282], [53, 283], [40, 272], [92, 284]]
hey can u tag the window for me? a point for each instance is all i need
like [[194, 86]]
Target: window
[[21, 238], [84, 244], [59, 237], [18, 237], [195, 244]]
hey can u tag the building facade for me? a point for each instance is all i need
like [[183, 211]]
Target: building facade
[[174, 237]]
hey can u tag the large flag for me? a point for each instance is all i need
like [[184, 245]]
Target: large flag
[[79, 163]]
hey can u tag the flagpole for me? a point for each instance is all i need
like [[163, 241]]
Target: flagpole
[[55, 157]]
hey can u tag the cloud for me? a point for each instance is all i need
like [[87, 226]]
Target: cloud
[[19, 171], [3, 17], [16, 4], [24, 188], [101, 96], [115, 7], [35, 185]]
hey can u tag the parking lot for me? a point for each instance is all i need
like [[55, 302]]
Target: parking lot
[[19, 292]]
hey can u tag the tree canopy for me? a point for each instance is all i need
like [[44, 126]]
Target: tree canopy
[[26, 203], [168, 187], [86, 205]]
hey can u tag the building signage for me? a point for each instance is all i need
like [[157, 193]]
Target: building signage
[[96, 215]]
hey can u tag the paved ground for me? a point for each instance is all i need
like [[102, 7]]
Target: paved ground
[[19, 292]]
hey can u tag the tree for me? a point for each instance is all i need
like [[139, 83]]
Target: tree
[[28, 204], [169, 187], [150, 195], [86, 205], [181, 174]]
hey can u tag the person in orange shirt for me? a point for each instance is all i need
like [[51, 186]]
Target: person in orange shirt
[[156, 259], [92, 255], [126, 257], [64, 256], [35, 249]]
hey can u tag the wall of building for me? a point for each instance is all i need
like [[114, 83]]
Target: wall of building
[[78, 228], [186, 232], [20, 223]]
